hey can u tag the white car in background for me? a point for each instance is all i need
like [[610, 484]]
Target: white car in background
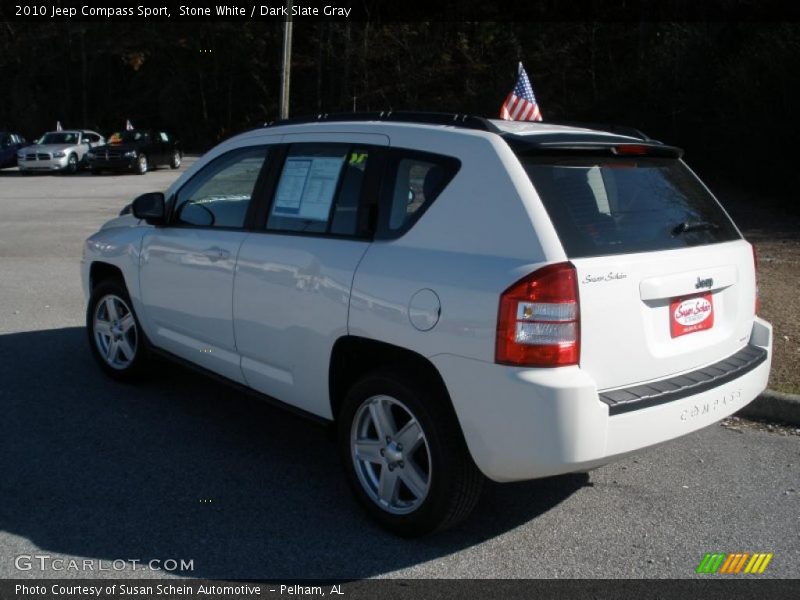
[[463, 298], [63, 151]]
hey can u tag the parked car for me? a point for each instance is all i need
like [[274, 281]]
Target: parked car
[[461, 297], [10, 143], [138, 150], [59, 151]]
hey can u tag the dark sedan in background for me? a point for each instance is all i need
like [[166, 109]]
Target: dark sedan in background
[[9, 144], [137, 150]]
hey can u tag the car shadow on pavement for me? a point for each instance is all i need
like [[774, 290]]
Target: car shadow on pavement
[[181, 467]]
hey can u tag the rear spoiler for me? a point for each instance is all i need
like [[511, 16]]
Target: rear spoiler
[[609, 128], [590, 145]]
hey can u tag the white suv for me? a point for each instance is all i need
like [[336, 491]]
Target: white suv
[[462, 297]]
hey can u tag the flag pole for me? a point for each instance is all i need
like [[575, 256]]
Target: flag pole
[[286, 71]]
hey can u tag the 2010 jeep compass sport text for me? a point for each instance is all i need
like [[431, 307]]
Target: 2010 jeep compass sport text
[[464, 298]]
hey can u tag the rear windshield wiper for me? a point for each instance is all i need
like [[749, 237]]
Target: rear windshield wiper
[[688, 226]]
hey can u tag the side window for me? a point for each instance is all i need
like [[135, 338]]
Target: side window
[[220, 194], [413, 181], [319, 189]]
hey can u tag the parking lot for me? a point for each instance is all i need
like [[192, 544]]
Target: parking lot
[[182, 468]]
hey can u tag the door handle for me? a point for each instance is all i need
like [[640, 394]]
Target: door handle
[[215, 254]]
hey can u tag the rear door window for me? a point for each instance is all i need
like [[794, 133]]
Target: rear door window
[[601, 206]]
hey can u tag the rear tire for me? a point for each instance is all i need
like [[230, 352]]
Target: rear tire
[[404, 455], [115, 336]]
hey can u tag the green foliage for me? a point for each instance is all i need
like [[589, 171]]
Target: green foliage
[[721, 90]]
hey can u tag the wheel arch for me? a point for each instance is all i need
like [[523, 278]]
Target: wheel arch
[[102, 271], [352, 357]]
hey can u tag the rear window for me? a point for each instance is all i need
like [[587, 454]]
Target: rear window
[[601, 206]]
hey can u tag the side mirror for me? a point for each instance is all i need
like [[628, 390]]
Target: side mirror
[[150, 207]]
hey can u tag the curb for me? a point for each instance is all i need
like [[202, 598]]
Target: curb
[[774, 406]]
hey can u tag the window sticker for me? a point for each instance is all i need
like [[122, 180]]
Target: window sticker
[[307, 187]]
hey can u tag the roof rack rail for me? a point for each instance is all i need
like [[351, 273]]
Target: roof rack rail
[[453, 119], [609, 127], [426, 118]]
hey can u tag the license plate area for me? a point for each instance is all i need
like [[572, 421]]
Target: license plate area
[[691, 313]]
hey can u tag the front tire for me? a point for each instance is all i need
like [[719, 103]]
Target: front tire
[[141, 164], [72, 164], [404, 454], [115, 336], [175, 162]]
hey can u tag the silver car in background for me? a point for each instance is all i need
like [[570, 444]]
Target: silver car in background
[[59, 151]]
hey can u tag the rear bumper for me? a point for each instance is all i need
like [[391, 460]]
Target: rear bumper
[[529, 423]]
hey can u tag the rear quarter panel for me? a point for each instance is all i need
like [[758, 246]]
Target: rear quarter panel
[[476, 239]]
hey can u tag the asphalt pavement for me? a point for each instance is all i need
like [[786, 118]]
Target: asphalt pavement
[[182, 468]]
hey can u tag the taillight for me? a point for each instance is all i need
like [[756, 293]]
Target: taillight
[[757, 307], [539, 319]]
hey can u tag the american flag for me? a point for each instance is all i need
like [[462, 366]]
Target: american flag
[[521, 103]]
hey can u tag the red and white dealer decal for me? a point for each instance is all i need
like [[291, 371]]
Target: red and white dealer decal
[[694, 313]]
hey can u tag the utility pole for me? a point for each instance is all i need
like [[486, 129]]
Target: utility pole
[[286, 72], [84, 79]]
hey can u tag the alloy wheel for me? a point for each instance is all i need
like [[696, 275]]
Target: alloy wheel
[[115, 333], [391, 455]]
